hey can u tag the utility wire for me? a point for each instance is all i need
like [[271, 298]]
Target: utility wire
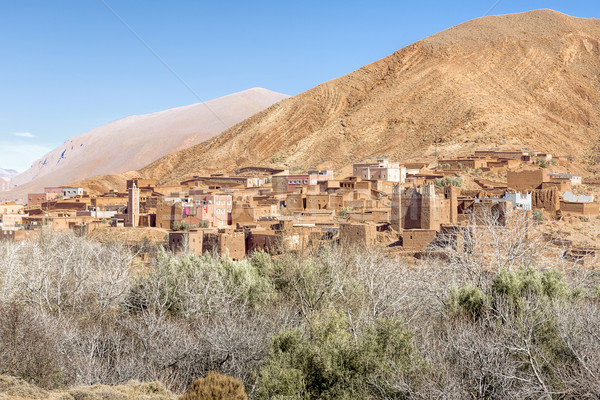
[[162, 61], [492, 7]]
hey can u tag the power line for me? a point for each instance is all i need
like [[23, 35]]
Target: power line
[[162, 61], [492, 7]]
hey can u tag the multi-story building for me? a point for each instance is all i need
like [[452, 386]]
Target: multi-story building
[[69, 192], [289, 183], [380, 169], [214, 208], [36, 199], [53, 193]]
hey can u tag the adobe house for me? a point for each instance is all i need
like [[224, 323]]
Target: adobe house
[[12, 219], [66, 205], [461, 163], [18, 235], [11, 208], [417, 239], [539, 179], [504, 163], [371, 215], [317, 202], [141, 183], [186, 241], [290, 183], [526, 180], [110, 202], [574, 179], [579, 208], [360, 235], [36, 199], [248, 213], [168, 213], [263, 239], [225, 242]]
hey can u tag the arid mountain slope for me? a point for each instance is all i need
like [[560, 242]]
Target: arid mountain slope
[[134, 142], [529, 79], [7, 173]]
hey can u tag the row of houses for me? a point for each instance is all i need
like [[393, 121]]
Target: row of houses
[[387, 203]]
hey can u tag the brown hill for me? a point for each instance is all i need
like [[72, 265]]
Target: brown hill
[[529, 79]]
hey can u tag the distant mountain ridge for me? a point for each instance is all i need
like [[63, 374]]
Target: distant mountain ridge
[[133, 142], [521, 80], [7, 173]]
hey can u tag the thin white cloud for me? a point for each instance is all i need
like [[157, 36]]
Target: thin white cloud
[[28, 135], [20, 155]]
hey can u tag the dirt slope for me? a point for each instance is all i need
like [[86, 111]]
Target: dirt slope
[[133, 142], [529, 79]]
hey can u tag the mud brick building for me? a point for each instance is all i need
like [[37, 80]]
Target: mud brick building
[[186, 241], [359, 235], [225, 242]]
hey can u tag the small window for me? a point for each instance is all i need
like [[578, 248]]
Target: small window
[[306, 181]]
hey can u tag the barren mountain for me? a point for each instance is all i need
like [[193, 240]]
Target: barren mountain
[[134, 142], [529, 79], [7, 173]]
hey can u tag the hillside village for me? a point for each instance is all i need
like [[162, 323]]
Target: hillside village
[[407, 207]]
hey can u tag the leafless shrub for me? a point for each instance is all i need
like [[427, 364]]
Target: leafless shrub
[[75, 312], [60, 272]]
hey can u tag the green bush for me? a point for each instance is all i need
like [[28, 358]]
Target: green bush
[[515, 285], [216, 386], [538, 215], [344, 211], [454, 181], [332, 362], [467, 300]]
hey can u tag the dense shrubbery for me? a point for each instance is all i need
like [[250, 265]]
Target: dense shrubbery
[[330, 361], [333, 325]]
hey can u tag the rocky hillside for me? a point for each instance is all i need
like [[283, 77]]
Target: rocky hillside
[[529, 79], [134, 142]]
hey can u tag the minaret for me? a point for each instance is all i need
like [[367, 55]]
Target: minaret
[[133, 206]]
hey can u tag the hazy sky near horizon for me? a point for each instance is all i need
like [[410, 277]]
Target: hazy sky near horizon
[[68, 66]]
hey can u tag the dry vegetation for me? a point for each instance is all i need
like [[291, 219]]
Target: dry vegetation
[[335, 324]]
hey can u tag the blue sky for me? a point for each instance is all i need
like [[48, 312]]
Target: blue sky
[[68, 66]]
